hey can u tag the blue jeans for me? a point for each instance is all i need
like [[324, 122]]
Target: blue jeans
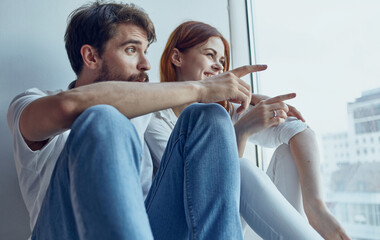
[[195, 194], [95, 191]]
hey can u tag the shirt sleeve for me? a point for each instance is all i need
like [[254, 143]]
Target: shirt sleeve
[[21, 149], [17, 105], [274, 136], [282, 133], [157, 136]]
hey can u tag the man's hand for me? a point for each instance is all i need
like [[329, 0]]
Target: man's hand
[[256, 98], [229, 86]]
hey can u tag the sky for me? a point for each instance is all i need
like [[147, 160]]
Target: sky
[[326, 51]]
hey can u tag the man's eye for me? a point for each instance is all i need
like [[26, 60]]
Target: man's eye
[[131, 50]]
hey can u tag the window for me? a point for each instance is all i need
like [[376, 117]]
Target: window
[[309, 47]]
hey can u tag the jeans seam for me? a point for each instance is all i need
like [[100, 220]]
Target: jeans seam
[[163, 171], [188, 207]]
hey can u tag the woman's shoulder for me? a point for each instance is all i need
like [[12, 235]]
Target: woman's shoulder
[[163, 117], [166, 114]]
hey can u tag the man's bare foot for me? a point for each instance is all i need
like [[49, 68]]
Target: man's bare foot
[[324, 222]]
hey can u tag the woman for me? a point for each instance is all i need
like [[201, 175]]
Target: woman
[[196, 51]]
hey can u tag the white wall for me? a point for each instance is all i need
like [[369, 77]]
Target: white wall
[[32, 54]]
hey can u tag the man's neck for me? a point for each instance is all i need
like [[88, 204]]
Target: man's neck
[[85, 77]]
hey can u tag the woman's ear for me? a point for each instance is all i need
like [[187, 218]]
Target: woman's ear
[[90, 57], [176, 57]]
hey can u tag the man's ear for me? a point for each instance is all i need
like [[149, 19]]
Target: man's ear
[[176, 57], [90, 56]]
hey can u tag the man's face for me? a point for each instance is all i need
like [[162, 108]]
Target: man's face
[[124, 57]]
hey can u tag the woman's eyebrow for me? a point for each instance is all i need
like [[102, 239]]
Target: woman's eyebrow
[[214, 51], [211, 50]]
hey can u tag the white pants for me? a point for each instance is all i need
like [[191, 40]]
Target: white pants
[[264, 208], [283, 172]]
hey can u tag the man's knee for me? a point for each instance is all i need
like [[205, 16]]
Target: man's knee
[[104, 127], [103, 123]]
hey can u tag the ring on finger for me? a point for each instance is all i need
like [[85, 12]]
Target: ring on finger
[[274, 113]]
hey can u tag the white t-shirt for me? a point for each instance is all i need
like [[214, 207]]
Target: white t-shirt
[[34, 168], [162, 124]]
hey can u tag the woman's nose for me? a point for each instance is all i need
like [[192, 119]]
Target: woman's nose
[[218, 67]]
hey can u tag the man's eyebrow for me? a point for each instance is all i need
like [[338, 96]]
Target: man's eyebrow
[[130, 41]]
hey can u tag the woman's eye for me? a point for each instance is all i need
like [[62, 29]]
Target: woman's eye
[[210, 54]]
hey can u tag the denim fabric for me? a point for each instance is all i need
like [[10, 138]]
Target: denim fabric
[[95, 192], [195, 194]]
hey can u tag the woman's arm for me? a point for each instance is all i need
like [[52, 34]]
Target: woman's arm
[[259, 117]]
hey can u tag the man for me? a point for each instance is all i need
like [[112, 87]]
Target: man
[[78, 152]]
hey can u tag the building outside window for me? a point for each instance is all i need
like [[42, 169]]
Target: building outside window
[[327, 52]]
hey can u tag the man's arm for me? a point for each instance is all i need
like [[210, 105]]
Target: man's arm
[[48, 116]]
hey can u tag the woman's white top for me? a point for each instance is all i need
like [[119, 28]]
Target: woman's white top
[[162, 124]]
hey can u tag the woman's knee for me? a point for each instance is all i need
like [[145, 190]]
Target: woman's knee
[[210, 115]]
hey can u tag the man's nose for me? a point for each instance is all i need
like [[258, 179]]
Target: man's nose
[[143, 64]]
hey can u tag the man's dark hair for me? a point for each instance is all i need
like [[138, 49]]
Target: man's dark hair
[[96, 23]]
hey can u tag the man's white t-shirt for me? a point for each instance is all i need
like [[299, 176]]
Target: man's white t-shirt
[[34, 168]]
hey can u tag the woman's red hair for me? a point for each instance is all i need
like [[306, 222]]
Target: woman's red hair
[[185, 36]]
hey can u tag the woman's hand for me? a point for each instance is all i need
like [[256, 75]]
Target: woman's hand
[[256, 98], [265, 114]]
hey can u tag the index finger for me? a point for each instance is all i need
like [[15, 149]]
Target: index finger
[[280, 98], [244, 70], [295, 113]]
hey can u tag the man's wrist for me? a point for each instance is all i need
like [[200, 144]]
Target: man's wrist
[[199, 89]]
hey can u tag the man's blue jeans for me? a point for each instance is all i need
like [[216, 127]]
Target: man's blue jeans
[[95, 191]]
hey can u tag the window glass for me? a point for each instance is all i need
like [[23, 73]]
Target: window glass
[[328, 53]]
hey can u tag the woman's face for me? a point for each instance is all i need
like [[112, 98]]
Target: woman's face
[[202, 61]]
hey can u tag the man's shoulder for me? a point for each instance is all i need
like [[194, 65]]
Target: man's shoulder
[[19, 102], [35, 92]]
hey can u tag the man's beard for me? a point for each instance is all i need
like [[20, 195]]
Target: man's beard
[[106, 75]]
